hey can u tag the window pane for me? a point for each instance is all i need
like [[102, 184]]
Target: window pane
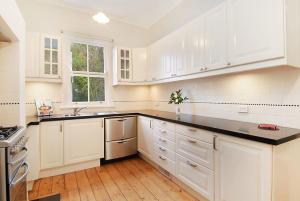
[[47, 69], [47, 42], [96, 63], [54, 44], [97, 89], [79, 57], [54, 69], [80, 89], [47, 55], [54, 57]]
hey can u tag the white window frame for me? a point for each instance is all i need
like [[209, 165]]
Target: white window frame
[[69, 73]]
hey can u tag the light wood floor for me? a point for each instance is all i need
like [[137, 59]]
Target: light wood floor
[[130, 180]]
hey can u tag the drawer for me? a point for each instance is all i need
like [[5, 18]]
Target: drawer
[[122, 148], [195, 150], [196, 176], [164, 152], [165, 133], [165, 143], [164, 125], [200, 134], [165, 163]]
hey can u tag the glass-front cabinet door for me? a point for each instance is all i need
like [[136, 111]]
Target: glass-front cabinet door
[[125, 66], [50, 56]]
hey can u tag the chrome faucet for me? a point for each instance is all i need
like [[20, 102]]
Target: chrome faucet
[[77, 110]]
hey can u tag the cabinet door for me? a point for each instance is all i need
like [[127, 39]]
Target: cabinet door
[[145, 136], [50, 56], [125, 66], [83, 140], [139, 65], [216, 37], [51, 144], [243, 170], [180, 47], [256, 30], [32, 55], [195, 45], [33, 158]]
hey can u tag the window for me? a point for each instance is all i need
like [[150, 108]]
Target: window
[[88, 73]]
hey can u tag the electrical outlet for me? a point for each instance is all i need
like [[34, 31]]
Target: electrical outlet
[[243, 109]]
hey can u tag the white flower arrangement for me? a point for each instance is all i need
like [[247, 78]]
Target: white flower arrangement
[[177, 98]]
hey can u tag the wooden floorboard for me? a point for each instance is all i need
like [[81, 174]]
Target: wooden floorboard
[[130, 180]]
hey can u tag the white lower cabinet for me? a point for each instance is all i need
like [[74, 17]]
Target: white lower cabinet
[[83, 140], [243, 170], [145, 136], [198, 177], [33, 157], [52, 146]]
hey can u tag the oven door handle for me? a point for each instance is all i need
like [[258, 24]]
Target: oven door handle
[[19, 159], [15, 182]]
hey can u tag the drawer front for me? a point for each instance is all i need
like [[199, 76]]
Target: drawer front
[[165, 163], [196, 176], [164, 125], [122, 148], [165, 133], [165, 143], [164, 152], [200, 134], [195, 150]]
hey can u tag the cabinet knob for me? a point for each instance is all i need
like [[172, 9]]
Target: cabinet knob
[[229, 64]]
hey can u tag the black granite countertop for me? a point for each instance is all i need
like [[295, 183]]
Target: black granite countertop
[[239, 129]]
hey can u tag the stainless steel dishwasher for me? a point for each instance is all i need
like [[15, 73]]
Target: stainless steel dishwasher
[[120, 137]]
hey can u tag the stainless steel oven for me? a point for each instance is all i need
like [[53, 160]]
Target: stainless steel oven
[[13, 167]]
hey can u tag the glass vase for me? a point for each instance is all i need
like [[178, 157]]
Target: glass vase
[[177, 109]]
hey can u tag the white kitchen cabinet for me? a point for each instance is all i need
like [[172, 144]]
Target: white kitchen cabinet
[[243, 170], [198, 177], [145, 136], [33, 147], [122, 64], [195, 46], [52, 146], [215, 34], [83, 140], [255, 31], [139, 65], [43, 57]]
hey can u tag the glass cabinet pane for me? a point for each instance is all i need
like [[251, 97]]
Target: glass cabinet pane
[[47, 43], [47, 69], [54, 56], [127, 74], [127, 64], [127, 53], [122, 74], [54, 69], [54, 44], [122, 53], [47, 56], [122, 64]]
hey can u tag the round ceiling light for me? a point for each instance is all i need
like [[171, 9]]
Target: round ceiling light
[[101, 18]]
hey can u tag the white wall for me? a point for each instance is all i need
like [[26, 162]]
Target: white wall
[[272, 96]]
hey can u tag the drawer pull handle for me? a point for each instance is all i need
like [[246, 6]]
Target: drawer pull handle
[[191, 164], [162, 140], [163, 123], [162, 149], [192, 130], [162, 131], [192, 141], [162, 158]]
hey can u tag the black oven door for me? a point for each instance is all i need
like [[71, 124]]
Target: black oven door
[[18, 186]]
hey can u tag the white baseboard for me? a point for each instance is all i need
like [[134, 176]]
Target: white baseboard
[[69, 168]]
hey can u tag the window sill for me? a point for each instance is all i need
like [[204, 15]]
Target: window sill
[[72, 106]]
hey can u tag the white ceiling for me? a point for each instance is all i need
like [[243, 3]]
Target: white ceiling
[[142, 13]]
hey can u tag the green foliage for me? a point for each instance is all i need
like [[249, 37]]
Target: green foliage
[[177, 98], [97, 90], [80, 89], [79, 57], [96, 61]]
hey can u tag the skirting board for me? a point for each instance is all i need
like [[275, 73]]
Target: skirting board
[[69, 168], [173, 178]]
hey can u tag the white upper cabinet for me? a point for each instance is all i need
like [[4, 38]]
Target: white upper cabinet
[[216, 37], [43, 57], [139, 65], [255, 30], [194, 41], [122, 64]]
